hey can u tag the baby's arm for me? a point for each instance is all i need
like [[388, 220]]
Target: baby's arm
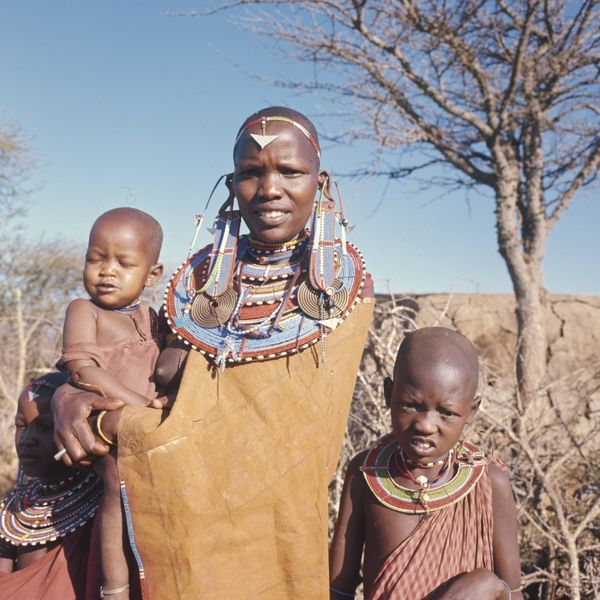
[[507, 561], [171, 360], [81, 322], [349, 535]]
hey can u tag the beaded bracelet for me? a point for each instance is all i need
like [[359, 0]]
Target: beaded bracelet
[[101, 433]]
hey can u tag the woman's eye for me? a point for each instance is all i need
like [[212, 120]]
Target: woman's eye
[[247, 173], [289, 172]]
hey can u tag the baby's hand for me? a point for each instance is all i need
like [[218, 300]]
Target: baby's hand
[[159, 403]]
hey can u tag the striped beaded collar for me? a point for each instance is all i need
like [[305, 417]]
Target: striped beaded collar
[[36, 513], [270, 309], [470, 464]]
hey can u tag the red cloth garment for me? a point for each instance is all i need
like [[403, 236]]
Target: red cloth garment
[[450, 541], [130, 360], [69, 571]]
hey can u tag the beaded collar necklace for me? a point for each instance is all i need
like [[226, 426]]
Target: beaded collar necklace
[[269, 310], [470, 465], [422, 481], [36, 513]]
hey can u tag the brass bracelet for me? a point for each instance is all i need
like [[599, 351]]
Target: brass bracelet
[[101, 433], [517, 589]]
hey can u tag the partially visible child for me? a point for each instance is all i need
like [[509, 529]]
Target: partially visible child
[[46, 520], [435, 518], [110, 346]]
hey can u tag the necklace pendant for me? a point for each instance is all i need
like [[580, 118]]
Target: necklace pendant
[[422, 481]]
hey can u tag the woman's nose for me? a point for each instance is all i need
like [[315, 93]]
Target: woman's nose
[[27, 439], [270, 185]]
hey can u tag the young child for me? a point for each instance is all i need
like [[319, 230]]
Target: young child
[[46, 520], [435, 518], [110, 346]]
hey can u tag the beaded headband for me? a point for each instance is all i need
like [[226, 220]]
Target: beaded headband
[[263, 140]]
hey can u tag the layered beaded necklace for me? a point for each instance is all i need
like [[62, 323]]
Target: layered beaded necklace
[[36, 513], [263, 313], [470, 465]]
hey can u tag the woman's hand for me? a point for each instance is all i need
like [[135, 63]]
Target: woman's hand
[[70, 409]]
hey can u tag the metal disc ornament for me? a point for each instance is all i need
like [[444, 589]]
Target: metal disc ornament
[[322, 306], [210, 312]]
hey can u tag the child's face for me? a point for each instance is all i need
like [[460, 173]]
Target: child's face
[[276, 185], [430, 406], [118, 264], [33, 434]]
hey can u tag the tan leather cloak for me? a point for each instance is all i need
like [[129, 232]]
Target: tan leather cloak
[[229, 494]]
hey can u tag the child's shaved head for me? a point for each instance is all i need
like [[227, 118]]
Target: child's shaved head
[[439, 346], [147, 226]]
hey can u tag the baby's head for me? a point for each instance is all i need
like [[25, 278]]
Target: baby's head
[[122, 257], [434, 392], [277, 157], [34, 428]]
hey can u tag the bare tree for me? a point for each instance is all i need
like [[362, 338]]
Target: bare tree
[[505, 93], [15, 164], [37, 280]]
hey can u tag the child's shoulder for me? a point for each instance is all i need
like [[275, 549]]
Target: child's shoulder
[[357, 461], [500, 478], [81, 305]]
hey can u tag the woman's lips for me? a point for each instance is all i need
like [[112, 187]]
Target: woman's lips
[[271, 216]]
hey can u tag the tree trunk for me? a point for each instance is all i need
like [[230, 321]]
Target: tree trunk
[[523, 258]]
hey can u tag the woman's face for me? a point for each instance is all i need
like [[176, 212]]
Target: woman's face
[[275, 185]]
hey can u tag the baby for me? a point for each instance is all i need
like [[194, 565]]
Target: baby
[[110, 346]]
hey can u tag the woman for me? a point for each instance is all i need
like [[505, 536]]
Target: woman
[[228, 493]]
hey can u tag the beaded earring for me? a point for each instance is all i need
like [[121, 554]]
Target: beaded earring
[[213, 302], [322, 296]]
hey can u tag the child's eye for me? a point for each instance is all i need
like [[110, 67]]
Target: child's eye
[[406, 406], [445, 412]]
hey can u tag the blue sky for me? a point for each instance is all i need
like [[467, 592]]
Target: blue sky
[[124, 105]]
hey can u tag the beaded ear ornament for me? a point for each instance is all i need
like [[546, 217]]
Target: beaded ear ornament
[[240, 299], [213, 301], [470, 465]]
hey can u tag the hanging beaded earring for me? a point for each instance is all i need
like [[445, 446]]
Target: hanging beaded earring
[[322, 296], [211, 304]]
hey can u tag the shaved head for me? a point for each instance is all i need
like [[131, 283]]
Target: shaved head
[[148, 227], [439, 348]]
